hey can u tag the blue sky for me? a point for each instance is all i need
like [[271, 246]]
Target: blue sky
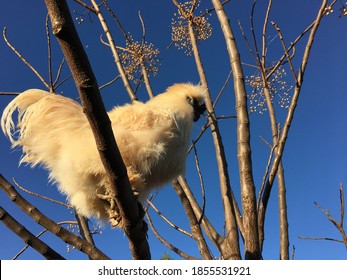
[[315, 155]]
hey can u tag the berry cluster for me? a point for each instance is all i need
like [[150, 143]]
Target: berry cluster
[[279, 89], [136, 55], [180, 30]]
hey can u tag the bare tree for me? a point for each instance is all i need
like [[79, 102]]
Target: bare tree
[[190, 27]]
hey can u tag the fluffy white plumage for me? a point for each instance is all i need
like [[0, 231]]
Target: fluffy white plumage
[[152, 137]]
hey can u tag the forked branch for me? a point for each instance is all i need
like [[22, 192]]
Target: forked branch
[[337, 224]]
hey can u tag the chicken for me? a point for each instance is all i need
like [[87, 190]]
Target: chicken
[[152, 137]]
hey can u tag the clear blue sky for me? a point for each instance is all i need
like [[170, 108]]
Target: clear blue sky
[[316, 152]]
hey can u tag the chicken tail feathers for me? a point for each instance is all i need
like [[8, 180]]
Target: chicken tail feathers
[[41, 116]]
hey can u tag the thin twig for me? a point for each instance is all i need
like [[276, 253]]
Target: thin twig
[[84, 228], [253, 31], [49, 55], [63, 81], [223, 88], [116, 20], [212, 9], [142, 62], [114, 50], [226, 117], [266, 142], [166, 243], [182, 11], [9, 93], [38, 235], [143, 30], [201, 184], [171, 224], [293, 252], [266, 20], [41, 196], [250, 65], [85, 6], [23, 59], [285, 50], [146, 79], [58, 74], [203, 129], [321, 238], [249, 47], [137, 83], [342, 204], [110, 82], [193, 5], [338, 225]]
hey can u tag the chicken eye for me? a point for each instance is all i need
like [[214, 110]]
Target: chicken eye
[[190, 101]]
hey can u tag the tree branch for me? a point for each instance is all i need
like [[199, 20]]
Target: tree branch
[[167, 244], [120, 190], [297, 90], [321, 238], [201, 183], [38, 235], [210, 231], [227, 195], [194, 223], [143, 65], [23, 59], [171, 224], [114, 52], [47, 223], [252, 249], [85, 6], [265, 189], [49, 56], [41, 196], [28, 237], [338, 225]]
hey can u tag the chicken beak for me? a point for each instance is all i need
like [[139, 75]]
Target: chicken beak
[[199, 110]]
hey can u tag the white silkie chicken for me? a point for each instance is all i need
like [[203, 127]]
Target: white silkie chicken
[[152, 137]]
